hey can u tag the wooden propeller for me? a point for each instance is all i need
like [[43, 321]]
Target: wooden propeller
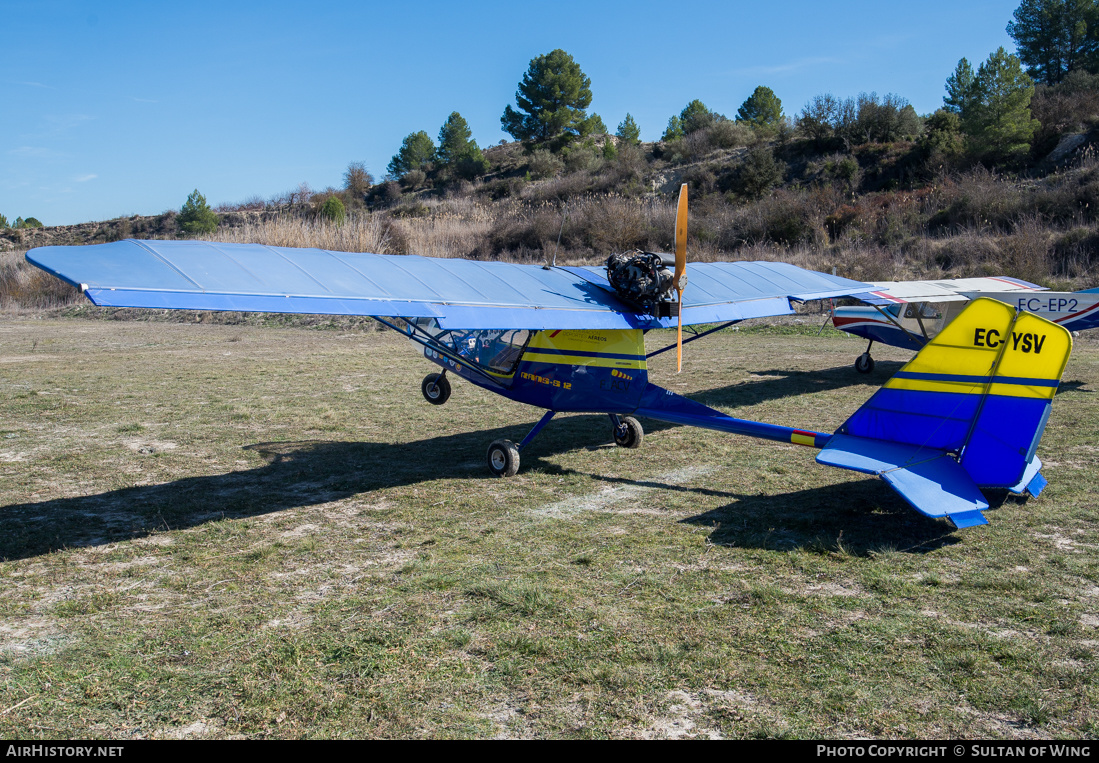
[[680, 267]]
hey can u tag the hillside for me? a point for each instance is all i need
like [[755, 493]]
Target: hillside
[[879, 211]]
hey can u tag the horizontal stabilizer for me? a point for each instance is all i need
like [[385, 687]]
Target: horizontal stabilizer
[[930, 480]]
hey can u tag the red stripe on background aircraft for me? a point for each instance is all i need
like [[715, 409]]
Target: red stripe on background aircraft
[[961, 416]]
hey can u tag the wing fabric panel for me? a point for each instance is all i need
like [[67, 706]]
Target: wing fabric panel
[[460, 293]]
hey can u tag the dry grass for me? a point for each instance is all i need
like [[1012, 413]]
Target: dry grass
[[362, 233], [23, 286]]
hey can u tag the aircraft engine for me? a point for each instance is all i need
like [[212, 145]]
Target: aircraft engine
[[644, 279]]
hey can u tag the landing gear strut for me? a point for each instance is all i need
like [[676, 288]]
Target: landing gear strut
[[864, 364], [503, 455]]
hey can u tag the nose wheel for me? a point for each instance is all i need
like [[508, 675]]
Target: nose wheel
[[864, 364], [436, 388]]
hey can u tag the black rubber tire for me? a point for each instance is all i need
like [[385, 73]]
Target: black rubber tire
[[436, 389], [503, 458], [864, 364], [633, 435]]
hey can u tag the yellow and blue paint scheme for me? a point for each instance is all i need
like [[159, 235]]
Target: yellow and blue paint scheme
[[967, 412], [567, 370]]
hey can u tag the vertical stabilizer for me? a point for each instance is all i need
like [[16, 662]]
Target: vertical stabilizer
[[968, 411]]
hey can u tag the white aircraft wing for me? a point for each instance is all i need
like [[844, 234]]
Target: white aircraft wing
[[948, 290]]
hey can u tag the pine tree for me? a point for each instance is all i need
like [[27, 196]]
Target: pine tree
[[416, 153], [1001, 124], [593, 125], [761, 109], [959, 88], [1055, 37], [552, 98], [458, 153], [628, 131], [196, 217], [454, 139], [994, 107], [674, 130], [696, 116]]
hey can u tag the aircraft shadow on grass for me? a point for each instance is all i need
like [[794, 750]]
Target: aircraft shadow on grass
[[299, 474]]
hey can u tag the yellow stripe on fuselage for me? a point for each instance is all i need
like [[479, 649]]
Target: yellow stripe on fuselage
[[621, 342]]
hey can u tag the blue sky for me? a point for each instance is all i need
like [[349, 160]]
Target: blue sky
[[120, 108]]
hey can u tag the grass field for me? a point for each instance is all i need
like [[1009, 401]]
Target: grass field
[[262, 531]]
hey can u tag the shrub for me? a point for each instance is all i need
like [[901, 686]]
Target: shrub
[[700, 179], [544, 164], [357, 181], [843, 170], [1070, 106], [727, 134], [583, 156], [413, 179], [612, 224], [333, 210], [1075, 253], [759, 173]]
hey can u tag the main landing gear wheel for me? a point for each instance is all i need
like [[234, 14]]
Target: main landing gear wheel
[[864, 364], [628, 433], [503, 458], [436, 388]]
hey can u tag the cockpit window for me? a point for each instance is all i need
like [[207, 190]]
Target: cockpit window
[[496, 349]]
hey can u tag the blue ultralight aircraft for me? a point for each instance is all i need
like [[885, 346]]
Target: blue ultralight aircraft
[[966, 413], [908, 314]]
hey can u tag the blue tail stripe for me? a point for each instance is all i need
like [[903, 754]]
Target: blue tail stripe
[[938, 420]]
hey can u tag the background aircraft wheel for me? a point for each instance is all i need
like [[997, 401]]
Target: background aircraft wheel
[[503, 458], [629, 434], [864, 364], [436, 389]]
